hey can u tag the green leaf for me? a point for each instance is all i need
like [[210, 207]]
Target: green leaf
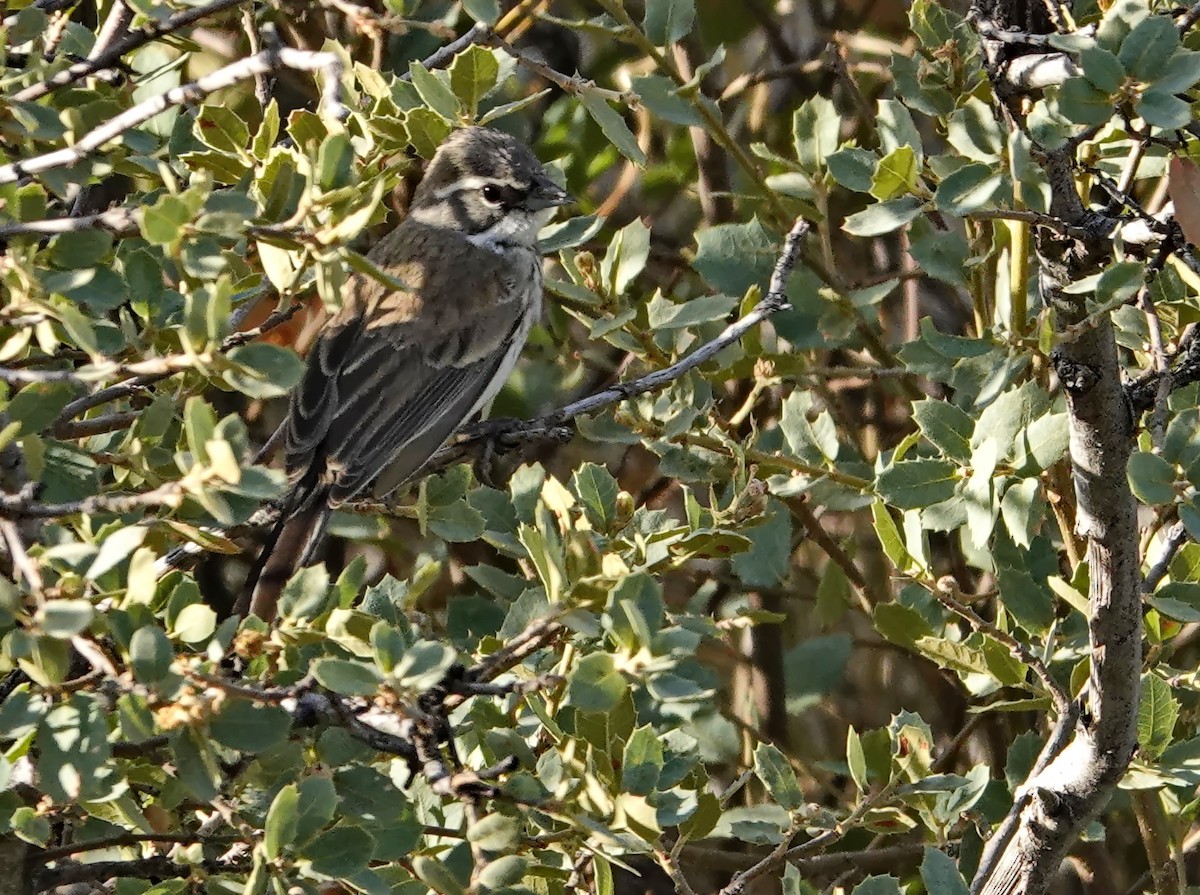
[[1102, 68], [913, 484], [347, 677], [221, 128], [1151, 478], [856, 759], [947, 427], [495, 832], [250, 727], [1164, 109], [434, 92], [883, 217], [896, 128], [642, 762], [1082, 103], [282, 819], [196, 763], [896, 174], [597, 492], [1042, 444], [853, 168], [423, 665], [458, 522], [890, 538], [1146, 50], [733, 257], [317, 805], [661, 96], [759, 825], [939, 253], [940, 874], [195, 623], [163, 222], [664, 314], [83, 248], [968, 189], [116, 547], [509, 870], [485, 11], [150, 654], [1022, 510], [816, 127], [612, 124], [436, 876], [306, 595], [901, 624], [473, 76], [595, 685], [340, 852], [426, 130], [776, 774], [626, 257], [65, 618], [546, 555], [36, 406], [1158, 711], [668, 21]]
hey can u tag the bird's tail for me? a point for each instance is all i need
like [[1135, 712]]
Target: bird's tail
[[292, 544]]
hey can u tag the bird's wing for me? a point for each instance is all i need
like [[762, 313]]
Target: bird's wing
[[384, 389], [398, 408]]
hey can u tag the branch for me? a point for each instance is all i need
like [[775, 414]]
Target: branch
[[555, 425], [150, 32], [269, 60], [1183, 369], [1093, 742], [63, 428], [1176, 538], [947, 592], [21, 506], [477, 34], [157, 867]]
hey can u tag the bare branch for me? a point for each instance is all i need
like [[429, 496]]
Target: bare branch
[[244, 69], [1177, 536], [150, 32], [141, 868], [16, 506]]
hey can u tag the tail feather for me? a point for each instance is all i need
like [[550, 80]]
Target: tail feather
[[292, 544]]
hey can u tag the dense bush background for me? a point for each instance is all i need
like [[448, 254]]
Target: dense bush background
[[803, 615]]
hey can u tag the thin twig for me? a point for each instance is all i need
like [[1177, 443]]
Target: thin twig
[[150, 32], [268, 61], [1177, 536], [15, 506], [477, 34], [125, 839], [947, 592]]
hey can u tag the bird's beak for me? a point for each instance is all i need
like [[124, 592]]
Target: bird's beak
[[547, 194]]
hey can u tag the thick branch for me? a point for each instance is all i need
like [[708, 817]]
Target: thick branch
[[1090, 747]]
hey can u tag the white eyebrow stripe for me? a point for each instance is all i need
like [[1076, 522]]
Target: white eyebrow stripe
[[474, 182]]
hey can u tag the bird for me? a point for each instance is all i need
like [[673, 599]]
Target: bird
[[397, 371]]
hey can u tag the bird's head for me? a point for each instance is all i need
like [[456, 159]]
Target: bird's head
[[490, 186]]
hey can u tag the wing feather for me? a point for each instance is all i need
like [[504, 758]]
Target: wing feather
[[396, 373]]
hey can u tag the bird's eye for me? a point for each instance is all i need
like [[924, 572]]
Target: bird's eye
[[492, 194]]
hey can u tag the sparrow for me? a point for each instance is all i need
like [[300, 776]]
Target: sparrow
[[396, 372]]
